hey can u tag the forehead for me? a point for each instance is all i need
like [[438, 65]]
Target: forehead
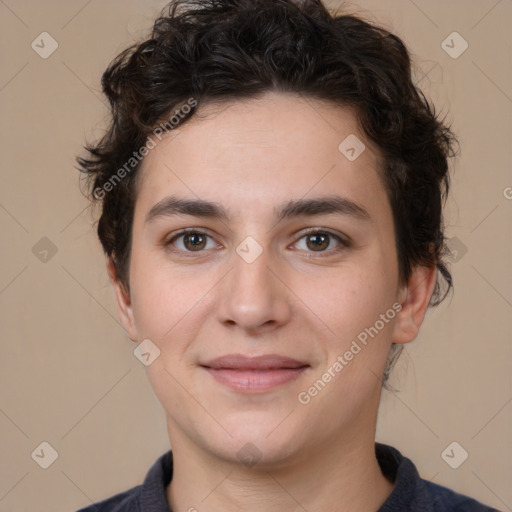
[[262, 150]]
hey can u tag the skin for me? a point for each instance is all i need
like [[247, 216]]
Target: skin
[[251, 157]]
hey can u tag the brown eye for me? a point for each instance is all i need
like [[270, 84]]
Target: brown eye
[[194, 241], [317, 241], [190, 241], [322, 242]]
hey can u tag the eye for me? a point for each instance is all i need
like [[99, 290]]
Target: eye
[[320, 241], [193, 240], [190, 240]]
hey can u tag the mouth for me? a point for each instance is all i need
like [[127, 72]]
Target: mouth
[[254, 374]]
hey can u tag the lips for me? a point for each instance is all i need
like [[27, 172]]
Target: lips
[[254, 374], [264, 362]]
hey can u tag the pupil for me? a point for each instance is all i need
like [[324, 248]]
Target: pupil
[[197, 241], [318, 238]]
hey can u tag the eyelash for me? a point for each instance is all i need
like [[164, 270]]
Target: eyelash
[[343, 244]]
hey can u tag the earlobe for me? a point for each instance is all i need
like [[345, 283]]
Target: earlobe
[[123, 302], [415, 300]]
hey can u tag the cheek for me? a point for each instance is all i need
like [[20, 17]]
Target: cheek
[[350, 298], [163, 299]]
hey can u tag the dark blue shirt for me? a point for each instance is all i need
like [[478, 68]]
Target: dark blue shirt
[[411, 493]]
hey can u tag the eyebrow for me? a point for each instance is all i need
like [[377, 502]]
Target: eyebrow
[[172, 205]]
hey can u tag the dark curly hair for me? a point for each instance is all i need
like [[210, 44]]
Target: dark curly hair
[[216, 50]]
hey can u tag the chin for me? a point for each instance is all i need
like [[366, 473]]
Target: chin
[[256, 443]]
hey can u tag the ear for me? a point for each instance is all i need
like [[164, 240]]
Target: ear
[[123, 301], [414, 298]]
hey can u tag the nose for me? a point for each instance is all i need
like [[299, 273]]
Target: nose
[[254, 295]]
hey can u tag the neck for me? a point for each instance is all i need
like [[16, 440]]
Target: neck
[[341, 475]]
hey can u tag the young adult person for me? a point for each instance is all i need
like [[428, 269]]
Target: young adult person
[[272, 186]]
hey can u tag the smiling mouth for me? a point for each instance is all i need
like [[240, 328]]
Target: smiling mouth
[[254, 374]]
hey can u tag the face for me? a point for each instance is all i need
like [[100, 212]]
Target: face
[[275, 313]]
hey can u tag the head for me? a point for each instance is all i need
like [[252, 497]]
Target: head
[[259, 116]]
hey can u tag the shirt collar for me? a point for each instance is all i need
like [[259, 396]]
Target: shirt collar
[[393, 464]]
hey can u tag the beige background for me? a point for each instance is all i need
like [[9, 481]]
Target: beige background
[[68, 373]]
